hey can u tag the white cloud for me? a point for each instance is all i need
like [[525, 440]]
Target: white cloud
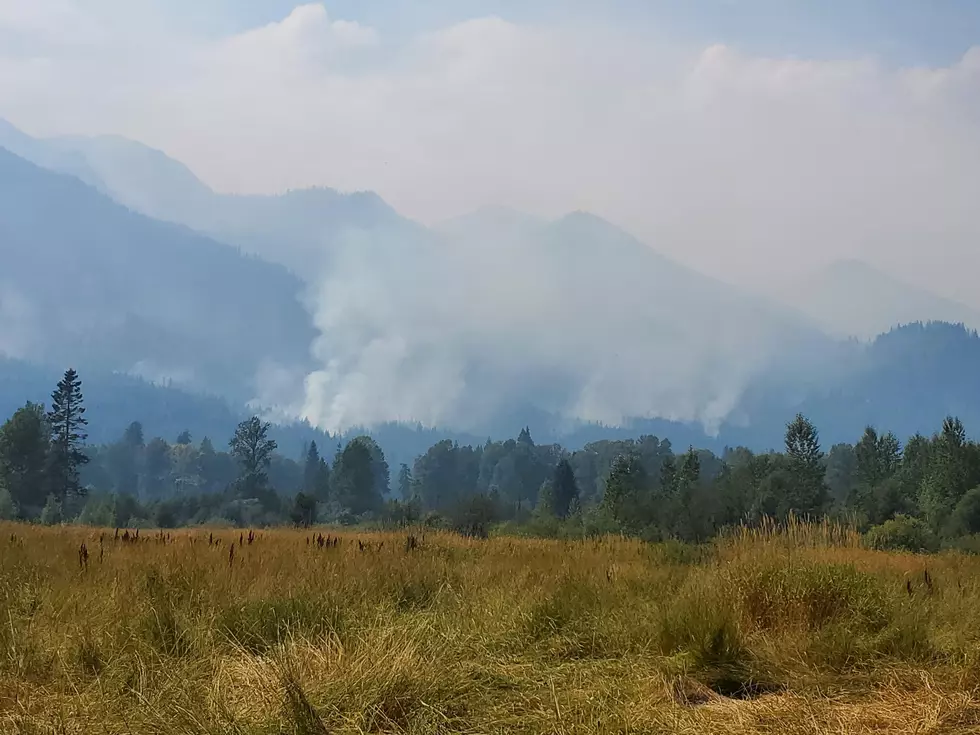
[[725, 160], [748, 168]]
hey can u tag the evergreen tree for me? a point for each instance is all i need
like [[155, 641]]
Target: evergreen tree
[[878, 457], [564, 488], [67, 423], [948, 476], [690, 472], [354, 480], [311, 469], [809, 492], [626, 489], [406, 483], [303, 512], [668, 474], [322, 490]]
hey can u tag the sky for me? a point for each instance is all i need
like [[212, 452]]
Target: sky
[[751, 139]]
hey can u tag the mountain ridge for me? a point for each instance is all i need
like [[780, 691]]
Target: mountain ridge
[[852, 298]]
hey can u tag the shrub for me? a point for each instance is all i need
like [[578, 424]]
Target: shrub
[[902, 533]]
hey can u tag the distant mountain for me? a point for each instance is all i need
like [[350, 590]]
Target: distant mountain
[[850, 298], [299, 229], [608, 329], [482, 324], [89, 283]]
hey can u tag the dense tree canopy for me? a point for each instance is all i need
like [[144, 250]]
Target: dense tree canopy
[[923, 493]]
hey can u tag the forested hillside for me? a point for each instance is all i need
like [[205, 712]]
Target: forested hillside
[[88, 282], [917, 493]]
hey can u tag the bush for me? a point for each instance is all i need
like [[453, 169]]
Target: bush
[[902, 533], [965, 519]]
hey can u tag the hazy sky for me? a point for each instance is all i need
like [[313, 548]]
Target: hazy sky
[[748, 138]]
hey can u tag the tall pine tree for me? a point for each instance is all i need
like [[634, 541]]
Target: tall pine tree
[[565, 488], [806, 466], [67, 422]]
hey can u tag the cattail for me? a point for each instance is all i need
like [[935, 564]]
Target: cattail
[[231, 554], [251, 537], [241, 539], [116, 537], [908, 587], [928, 580], [83, 557], [211, 539]]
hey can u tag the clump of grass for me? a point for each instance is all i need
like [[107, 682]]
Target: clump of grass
[[807, 595], [88, 655], [164, 632], [703, 637], [573, 604], [258, 625], [299, 714]]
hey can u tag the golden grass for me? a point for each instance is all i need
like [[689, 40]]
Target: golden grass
[[773, 630]]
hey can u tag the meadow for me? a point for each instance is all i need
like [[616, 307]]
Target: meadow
[[791, 630]]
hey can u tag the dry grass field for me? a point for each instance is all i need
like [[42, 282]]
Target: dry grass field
[[793, 631]]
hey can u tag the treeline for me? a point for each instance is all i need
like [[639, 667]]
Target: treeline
[[916, 496]]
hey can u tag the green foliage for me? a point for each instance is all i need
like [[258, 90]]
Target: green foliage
[[965, 518], [67, 422], [805, 463], [8, 508], [627, 489], [637, 487], [565, 488], [51, 513], [253, 450], [358, 476], [99, 510], [316, 475], [24, 446], [303, 512], [902, 533], [877, 457]]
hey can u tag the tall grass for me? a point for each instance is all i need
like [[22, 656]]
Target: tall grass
[[793, 628]]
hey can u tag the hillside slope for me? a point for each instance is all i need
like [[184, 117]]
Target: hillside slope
[[87, 282]]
